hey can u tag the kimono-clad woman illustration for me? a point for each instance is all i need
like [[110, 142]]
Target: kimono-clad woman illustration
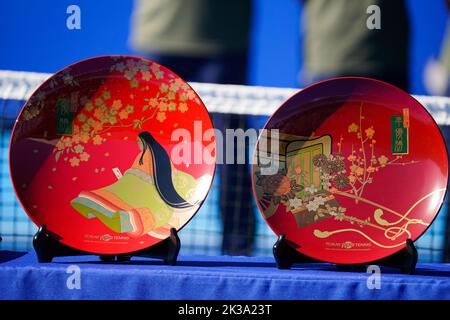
[[150, 198]]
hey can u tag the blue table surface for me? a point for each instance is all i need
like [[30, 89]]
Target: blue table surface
[[204, 277]]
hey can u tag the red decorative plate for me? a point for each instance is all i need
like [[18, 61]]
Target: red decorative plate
[[112, 152], [359, 167]]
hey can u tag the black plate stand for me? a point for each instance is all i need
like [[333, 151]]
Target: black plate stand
[[48, 247], [405, 260]]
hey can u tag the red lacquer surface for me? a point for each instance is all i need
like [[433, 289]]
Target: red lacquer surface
[[363, 166], [78, 137]]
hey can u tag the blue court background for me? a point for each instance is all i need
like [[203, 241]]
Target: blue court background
[[34, 37]]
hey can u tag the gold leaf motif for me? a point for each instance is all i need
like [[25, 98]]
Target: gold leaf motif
[[161, 116], [321, 234], [353, 127]]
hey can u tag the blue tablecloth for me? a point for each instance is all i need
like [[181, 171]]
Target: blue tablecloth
[[201, 277]]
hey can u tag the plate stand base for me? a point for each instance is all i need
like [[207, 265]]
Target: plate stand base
[[405, 260], [47, 247]]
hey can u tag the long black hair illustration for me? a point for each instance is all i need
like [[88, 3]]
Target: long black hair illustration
[[162, 171]]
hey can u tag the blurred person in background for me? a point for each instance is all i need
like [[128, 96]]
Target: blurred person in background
[[206, 41], [338, 41], [200, 40], [437, 70]]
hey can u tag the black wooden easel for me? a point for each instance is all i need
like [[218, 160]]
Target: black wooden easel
[[405, 260], [48, 247]]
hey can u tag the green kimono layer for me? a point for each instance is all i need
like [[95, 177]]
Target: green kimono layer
[[135, 190]]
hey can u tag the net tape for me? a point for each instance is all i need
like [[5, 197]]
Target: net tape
[[218, 98]]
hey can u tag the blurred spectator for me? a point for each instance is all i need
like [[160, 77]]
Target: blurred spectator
[[437, 71], [206, 41], [201, 40], [339, 43]]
